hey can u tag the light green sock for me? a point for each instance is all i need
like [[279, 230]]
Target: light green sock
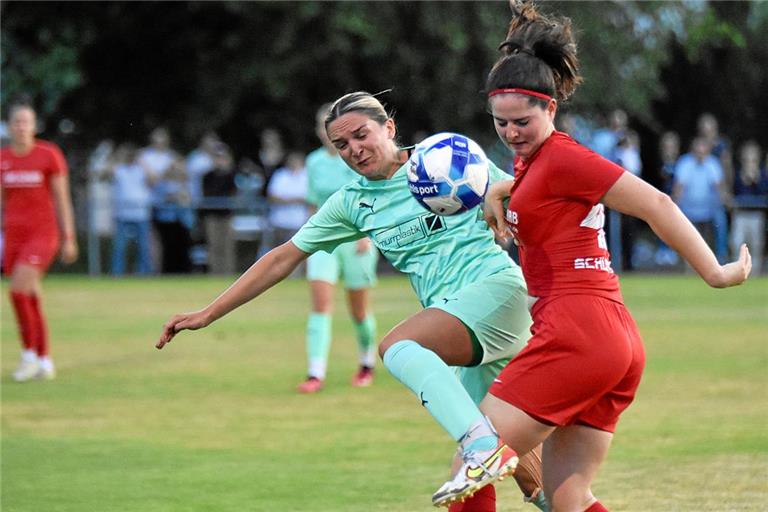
[[318, 343], [436, 385], [366, 337]]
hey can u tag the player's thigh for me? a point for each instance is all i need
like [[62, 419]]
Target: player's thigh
[[28, 261], [26, 278], [321, 293], [437, 331], [571, 459], [323, 266], [495, 310]]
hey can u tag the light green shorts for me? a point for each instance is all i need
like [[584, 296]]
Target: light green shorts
[[357, 270], [477, 379], [495, 311]]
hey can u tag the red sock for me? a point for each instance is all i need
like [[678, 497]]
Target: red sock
[[483, 500], [41, 344], [597, 507], [26, 318]]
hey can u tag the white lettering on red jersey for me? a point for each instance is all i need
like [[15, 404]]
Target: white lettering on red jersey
[[23, 178], [557, 219]]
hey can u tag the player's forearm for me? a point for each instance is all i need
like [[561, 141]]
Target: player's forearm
[[67, 221], [674, 228], [64, 208], [269, 270]]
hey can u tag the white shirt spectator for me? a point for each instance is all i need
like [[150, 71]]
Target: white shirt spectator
[[288, 185], [156, 161]]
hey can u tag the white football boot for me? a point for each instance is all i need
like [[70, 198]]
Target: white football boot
[[479, 469]]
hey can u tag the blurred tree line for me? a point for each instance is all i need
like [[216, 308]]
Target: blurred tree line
[[118, 69]]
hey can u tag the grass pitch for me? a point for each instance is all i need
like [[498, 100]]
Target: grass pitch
[[212, 422]]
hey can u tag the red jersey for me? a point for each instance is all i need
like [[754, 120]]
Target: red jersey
[[28, 205], [556, 219]]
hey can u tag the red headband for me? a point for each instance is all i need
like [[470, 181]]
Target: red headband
[[535, 94]]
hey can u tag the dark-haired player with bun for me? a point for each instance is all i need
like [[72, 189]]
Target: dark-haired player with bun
[[584, 362]]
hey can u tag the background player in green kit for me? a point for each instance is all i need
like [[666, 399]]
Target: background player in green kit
[[474, 296], [354, 261]]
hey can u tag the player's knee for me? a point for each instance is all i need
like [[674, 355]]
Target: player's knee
[[386, 343], [384, 346]]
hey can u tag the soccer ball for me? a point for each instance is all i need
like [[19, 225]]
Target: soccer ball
[[448, 173]]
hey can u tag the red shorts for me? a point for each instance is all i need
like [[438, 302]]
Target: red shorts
[[38, 251], [581, 366]]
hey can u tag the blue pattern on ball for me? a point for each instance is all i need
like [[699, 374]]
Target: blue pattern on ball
[[440, 189], [460, 158], [468, 197]]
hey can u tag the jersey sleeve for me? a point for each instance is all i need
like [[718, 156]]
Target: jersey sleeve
[[582, 174], [328, 228], [58, 164]]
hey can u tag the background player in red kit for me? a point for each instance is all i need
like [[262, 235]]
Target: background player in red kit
[[583, 364], [37, 219]]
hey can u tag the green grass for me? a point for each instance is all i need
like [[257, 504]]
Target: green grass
[[212, 422]]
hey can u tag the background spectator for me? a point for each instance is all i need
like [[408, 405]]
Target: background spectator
[[219, 190], [99, 193], [708, 129], [698, 180], [199, 162], [100, 162], [132, 202], [287, 194], [250, 184], [750, 191], [605, 140], [669, 152], [271, 153], [158, 156], [627, 154], [575, 126], [173, 218]]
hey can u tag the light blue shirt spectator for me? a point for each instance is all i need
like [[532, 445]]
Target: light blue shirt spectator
[[132, 211], [698, 182], [131, 194], [604, 142]]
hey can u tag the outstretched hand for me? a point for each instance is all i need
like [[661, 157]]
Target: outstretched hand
[[183, 321], [493, 208], [736, 272]]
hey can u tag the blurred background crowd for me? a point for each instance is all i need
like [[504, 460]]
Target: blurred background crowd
[[178, 212], [186, 139]]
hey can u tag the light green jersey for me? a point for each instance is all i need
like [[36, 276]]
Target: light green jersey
[[327, 174], [440, 255]]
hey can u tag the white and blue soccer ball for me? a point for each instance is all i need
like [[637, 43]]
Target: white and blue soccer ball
[[448, 173]]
